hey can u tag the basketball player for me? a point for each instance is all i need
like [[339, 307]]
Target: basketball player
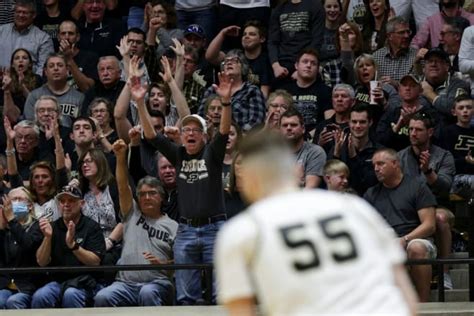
[[306, 252]]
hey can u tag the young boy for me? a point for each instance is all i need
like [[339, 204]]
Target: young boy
[[336, 175], [459, 140]]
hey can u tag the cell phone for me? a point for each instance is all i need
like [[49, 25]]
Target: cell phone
[[331, 127]]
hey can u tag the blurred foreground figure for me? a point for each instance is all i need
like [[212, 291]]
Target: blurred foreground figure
[[306, 252]]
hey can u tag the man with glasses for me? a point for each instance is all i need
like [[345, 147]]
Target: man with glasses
[[148, 238], [199, 182], [450, 40], [22, 33], [439, 87], [397, 58]]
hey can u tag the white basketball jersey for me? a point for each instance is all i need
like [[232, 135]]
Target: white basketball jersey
[[308, 253]]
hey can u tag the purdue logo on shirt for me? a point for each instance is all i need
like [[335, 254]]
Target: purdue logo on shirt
[[69, 110]]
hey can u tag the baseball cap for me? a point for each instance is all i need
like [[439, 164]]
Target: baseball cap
[[70, 190], [195, 29], [436, 51], [410, 77], [195, 118]]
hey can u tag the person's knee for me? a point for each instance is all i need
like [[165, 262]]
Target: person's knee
[[44, 297], [102, 299], [17, 302], [444, 218], [150, 295], [417, 250], [73, 297]]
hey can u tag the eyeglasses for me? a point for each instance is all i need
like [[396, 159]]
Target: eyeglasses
[[281, 106], [189, 130], [149, 193], [46, 110], [403, 32], [447, 32], [97, 111], [231, 60], [87, 161], [27, 138]]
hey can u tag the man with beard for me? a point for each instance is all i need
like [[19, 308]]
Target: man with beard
[[434, 166], [407, 205], [310, 158]]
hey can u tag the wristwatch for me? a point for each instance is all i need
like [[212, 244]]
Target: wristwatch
[[75, 247]]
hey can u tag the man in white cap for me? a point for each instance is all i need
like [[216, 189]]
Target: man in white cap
[[200, 200]]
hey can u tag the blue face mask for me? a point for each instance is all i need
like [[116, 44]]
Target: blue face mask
[[20, 209]]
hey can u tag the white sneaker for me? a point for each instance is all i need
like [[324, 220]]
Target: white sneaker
[[448, 282]]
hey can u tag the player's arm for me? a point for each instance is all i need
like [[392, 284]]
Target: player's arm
[[241, 307], [403, 282]]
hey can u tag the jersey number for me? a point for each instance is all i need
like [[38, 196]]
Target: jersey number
[[332, 235]]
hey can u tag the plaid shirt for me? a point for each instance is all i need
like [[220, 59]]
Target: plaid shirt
[[193, 89], [395, 67], [248, 105]]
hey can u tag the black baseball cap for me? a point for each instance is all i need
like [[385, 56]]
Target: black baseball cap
[[70, 190], [436, 51], [195, 29]]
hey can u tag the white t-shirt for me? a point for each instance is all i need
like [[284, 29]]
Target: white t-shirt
[[308, 253]]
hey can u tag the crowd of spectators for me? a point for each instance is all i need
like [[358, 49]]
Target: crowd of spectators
[[122, 121]]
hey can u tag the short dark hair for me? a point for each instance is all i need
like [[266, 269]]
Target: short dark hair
[[425, 117], [362, 107], [262, 30], [309, 51], [292, 111], [84, 118], [462, 97], [137, 31], [458, 23], [157, 113]]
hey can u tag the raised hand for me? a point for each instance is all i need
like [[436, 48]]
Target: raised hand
[[70, 234], [232, 30], [178, 48], [166, 74], [6, 80], [424, 160], [119, 147], [9, 131], [67, 49], [124, 47], [134, 134], [224, 89], [45, 227], [156, 23], [7, 209], [339, 139]]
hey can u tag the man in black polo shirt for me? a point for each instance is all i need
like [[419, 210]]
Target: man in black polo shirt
[[199, 182], [72, 240], [98, 33]]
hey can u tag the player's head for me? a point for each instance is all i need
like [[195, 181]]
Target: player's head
[[268, 165], [336, 175]]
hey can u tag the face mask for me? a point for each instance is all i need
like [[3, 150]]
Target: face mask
[[20, 209]]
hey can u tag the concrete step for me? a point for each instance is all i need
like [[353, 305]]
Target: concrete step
[[460, 278], [459, 255], [446, 309], [456, 295]]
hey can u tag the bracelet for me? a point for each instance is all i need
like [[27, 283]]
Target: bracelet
[[10, 152], [225, 103]]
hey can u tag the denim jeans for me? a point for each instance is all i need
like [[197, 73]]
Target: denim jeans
[[157, 293], [207, 19], [135, 17], [193, 245], [49, 296], [14, 300]]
